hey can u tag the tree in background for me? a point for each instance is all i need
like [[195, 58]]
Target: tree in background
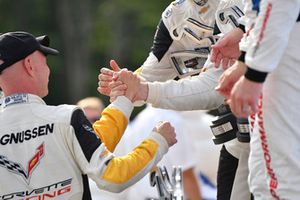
[[88, 34]]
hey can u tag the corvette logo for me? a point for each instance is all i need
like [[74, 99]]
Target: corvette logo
[[19, 169]]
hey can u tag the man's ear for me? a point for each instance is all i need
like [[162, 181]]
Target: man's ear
[[27, 65]]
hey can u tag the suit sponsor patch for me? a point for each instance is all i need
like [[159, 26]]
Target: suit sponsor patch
[[52, 191], [168, 13], [17, 168], [24, 135], [178, 2]]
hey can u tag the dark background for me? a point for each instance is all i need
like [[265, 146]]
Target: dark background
[[88, 34]]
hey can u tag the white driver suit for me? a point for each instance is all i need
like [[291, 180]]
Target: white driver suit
[[48, 151], [198, 91], [273, 53]]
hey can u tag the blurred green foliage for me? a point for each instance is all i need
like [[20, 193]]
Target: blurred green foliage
[[115, 29]]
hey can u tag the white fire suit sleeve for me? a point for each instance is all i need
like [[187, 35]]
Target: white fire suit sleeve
[[270, 36], [195, 93]]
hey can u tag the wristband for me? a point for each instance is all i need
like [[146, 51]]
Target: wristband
[[255, 76]]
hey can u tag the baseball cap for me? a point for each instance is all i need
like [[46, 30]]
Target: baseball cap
[[15, 46]]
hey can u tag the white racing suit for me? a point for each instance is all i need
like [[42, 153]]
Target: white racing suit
[[198, 91], [273, 49], [48, 151], [172, 37]]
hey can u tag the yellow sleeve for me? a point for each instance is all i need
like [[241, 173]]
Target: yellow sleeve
[[138, 70], [122, 172], [110, 127], [122, 169]]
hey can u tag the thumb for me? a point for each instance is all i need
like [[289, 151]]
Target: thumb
[[114, 65], [116, 76]]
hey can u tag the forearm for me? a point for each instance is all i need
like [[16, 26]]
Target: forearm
[[122, 172], [188, 94], [191, 186], [111, 126]]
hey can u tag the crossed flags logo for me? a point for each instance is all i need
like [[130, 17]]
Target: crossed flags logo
[[17, 168]]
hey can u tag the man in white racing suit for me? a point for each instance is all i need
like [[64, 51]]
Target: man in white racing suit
[[197, 92], [48, 151], [269, 88]]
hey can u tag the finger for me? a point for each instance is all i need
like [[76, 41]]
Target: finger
[[114, 65], [105, 77], [231, 62], [224, 88], [104, 91], [116, 84], [116, 76], [218, 60], [124, 75], [225, 63], [225, 93], [115, 93], [214, 52], [246, 110], [106, 71], [238, 107], [253, 107], [104, 83], [231, 102], [221, 79], [224, 84], [241, 108]]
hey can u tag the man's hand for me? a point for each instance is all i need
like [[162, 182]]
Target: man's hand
[[129, 84], [167, 131], [244, 97], [227, 48], [129, 81], [230, 77], [106, 77]]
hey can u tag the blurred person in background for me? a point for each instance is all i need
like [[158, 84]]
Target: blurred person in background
[[92, 107]]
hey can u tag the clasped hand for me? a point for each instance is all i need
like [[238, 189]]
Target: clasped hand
[[118, 82]]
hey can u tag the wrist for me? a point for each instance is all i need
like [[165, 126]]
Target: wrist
[[242, 66], [129, 96], [142, 93], [239, 33]]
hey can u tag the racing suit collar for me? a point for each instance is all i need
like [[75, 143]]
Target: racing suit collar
[[19, 98]]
